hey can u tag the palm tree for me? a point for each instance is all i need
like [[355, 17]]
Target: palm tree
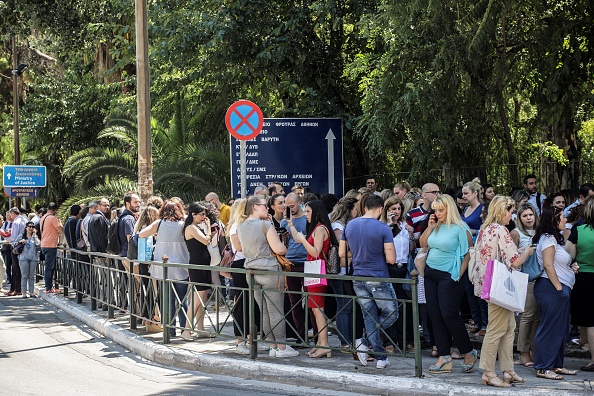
[[181, 168]]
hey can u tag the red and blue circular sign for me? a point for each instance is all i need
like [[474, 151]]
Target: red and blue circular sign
[[244, 120]]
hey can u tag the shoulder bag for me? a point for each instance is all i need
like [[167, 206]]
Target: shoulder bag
[[282, 260]]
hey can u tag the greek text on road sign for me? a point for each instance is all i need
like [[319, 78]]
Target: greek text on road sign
[[24, 176], [21, 192]]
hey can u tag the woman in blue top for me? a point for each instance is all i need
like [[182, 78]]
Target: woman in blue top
[[448, 239], [471, 215], [28, 260]]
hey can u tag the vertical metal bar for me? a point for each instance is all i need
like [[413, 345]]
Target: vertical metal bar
[[132, 295], [110, 294], [417, 335], [242, 160], [92, 284], [165, 305], [252, 315], [79, 278]]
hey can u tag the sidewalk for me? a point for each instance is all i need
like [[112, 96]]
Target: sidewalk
[[339, 372]]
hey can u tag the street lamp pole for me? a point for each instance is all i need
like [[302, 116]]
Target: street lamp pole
[[15, 106], [143, 99], [15, 103]]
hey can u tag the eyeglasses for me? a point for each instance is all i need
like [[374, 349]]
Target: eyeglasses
[[436, 192], [30, 226], [199, 214]]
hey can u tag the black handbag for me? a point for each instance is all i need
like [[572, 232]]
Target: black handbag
[[18, 248], [332, 260]]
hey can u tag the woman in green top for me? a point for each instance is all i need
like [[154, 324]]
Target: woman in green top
[[581, 246]]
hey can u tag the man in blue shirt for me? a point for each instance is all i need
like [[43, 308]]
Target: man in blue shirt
[[372, 247], [297, 255]]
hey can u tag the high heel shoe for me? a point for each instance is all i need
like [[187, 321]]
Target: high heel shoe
[[468, 367], [444, 368], [495, 381], [320, 353], [512, 378], [312, 351]]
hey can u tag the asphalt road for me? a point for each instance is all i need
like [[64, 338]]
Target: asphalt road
[[45, 351]]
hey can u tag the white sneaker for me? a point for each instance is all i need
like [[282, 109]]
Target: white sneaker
[[261, 347], [362, 357], [272, 352], [287, 352], [383, 363], [242, 349], [361, 351]]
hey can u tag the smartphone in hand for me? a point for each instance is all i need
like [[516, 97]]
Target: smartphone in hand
[[288, 212]]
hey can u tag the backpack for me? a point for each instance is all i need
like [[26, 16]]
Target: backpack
[[114, 245]]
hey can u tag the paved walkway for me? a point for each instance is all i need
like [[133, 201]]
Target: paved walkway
[[339, 372]]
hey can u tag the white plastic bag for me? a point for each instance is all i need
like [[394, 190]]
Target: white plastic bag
[[508, 288]]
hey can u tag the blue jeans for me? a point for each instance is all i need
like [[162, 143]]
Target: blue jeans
[[181, 289], [28, 275], [48, 267], [344, 313], [377, 314]]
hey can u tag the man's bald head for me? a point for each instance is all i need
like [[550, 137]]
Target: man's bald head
[[214, 199], [430, 192]]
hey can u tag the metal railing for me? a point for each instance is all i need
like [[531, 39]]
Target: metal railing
[[162, 302]]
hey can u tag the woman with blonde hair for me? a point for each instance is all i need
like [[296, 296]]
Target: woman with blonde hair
[[240, 305], [448, 238], [471, 215], [259, 241], [495, 243]]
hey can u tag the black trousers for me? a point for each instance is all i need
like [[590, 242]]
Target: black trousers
[[241, 306], [443, 297], [15, 280]]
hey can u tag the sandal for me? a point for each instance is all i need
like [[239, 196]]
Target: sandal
[[549, 374], [468, 367], [588, 367], [444, 368], [526, 361], [512, 378], [495, 381], [455, 354], [565, 371]]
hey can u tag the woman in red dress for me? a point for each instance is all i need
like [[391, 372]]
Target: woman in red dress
[[317, 242]]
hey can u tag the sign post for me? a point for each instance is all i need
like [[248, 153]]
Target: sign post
[[244, 121]]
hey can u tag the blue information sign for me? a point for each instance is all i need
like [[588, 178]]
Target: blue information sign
[[305, 151], [24, 176], [22, 192]]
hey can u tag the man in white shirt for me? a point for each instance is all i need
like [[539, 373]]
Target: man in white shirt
[[531, 187]]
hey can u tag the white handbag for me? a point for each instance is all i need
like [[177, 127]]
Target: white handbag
[[508, 288]]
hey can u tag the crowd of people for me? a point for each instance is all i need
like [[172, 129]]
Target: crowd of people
[[378, 235]]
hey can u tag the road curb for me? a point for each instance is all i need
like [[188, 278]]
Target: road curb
[[280, 373]]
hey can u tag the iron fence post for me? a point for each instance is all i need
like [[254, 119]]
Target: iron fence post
[[132, 295], [110, 293], [417, 335], [252, 315], [92, 284], [165, 303]]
